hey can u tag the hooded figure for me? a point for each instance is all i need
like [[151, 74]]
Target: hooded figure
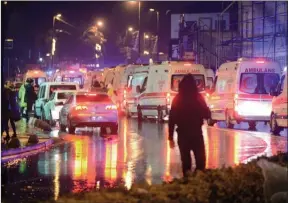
[[29, 97], [187, 112]]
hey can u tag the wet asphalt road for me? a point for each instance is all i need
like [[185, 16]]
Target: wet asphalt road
[[139, 153]]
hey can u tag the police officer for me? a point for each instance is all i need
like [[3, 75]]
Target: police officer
[[187, 112]]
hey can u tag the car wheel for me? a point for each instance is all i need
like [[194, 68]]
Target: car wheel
[[139, 114], [114, 129], [62, 128], [128, 114], [252, 125], [42, 115], [71, 129], [211, 122], [51, 121], [275, 129], [228, 121]]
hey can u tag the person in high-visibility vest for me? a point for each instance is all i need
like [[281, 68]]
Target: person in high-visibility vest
[[111, 93], [21, 96]]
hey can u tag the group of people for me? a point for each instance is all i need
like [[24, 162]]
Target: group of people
[[14, 104]]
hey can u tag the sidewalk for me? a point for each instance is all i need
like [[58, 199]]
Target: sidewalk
[[23, 133]]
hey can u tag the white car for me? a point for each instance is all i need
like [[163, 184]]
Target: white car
[[89, 109], [55, 104], [45, 92]]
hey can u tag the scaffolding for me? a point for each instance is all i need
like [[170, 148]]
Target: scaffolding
[[262, 31], [259, 30]]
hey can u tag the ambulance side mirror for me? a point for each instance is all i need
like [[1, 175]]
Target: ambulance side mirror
[[138, 89], [273, 92]]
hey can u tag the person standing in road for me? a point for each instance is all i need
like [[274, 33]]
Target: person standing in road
[[187, 112], [29, 97]]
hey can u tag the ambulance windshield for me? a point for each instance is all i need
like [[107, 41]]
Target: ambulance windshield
[[200, 81], [258, 83], [73, 79]]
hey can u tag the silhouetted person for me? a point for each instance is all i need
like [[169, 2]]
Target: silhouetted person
[[29, 97], [187, 112]]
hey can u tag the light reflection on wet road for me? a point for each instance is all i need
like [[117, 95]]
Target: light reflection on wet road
[[140, 153]]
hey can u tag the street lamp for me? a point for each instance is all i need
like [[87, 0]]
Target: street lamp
[[55, 17], [157, 15], [130, 29], [146, 36], [100, 23], [139, 25]]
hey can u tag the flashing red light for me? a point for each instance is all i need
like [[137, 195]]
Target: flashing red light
[[260, 61], [187, 64], [207, 95], [91, 94], [77, 108]]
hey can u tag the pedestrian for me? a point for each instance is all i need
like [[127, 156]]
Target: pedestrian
[[21, 95], [14, 110], [187, 112], [112, 93], [29, 97], [5, 110]]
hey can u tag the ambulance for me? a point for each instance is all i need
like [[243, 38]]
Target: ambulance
[[279, 113], [210, 77], [153, 87], [241, 92], [38, 77], [70, 75]]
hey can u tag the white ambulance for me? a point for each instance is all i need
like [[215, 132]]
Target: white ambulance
[[154, 87], [279, 114], [210, 77], [38, 77], [241, 92], [70, 75]]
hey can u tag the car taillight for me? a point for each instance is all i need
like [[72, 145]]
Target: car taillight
[[168, 98], [236, 108], [111, 107], [79, 108]]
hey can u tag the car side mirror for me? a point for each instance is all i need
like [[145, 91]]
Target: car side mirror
[[59, 103], [138, 89], [273, 92]]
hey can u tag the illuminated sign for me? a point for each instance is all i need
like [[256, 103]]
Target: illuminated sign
[[259, 70]]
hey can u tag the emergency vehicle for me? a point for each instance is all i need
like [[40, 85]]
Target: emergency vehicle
[[70, 75], [38, 77], [152, 88], [210, 77], [279, 117], [241, 92]]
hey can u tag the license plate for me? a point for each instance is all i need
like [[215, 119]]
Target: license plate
[[96, 118]]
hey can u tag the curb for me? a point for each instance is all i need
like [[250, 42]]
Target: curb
[[20, 152]]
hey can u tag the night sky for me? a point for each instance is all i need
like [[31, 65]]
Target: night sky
[[29, 23]]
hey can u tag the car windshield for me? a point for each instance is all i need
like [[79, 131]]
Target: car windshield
[[176, 79], [92, 98], [63, 95], [258, 83]]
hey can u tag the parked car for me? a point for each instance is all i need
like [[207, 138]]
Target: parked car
[[89, 109], [54, 105], [45, 91]]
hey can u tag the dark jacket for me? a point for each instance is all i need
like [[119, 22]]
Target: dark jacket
[[188, 111], [30, 95]]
